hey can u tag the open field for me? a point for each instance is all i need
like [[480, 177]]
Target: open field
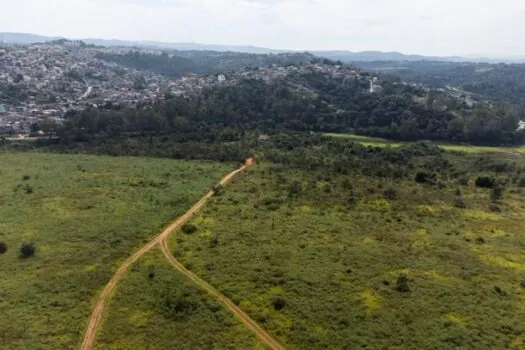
[[85, 214], [380, 142], [156, 307], [321, 272]]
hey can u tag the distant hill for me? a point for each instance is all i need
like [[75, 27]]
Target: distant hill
[[370, 56], [24, 39], [342, 55]]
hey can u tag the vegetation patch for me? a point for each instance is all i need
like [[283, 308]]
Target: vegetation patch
[[168, 312], [416, 260], [81, 226]]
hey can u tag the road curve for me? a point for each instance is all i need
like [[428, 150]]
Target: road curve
[[97, 315], [266, 338]]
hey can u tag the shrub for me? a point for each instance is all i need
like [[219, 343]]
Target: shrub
[[402, 284], [493, 207], [425, 178], [179, 305], [295, 189], [352, 199], [347, 184], [459, 202], [485, 182], [278, 303], [189, 228], [497, 193], [522, 282], [3, 247], [458, 192], [27, 250], [28, 189], [521, 182], [214, 242], [463, 181], [390, 193], [26, 177], [499, 167], [217, 189], [499, 290]]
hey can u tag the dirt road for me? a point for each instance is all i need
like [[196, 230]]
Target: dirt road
[[241, 315], [97, 315]]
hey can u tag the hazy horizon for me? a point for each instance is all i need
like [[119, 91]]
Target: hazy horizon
[[437, 28]]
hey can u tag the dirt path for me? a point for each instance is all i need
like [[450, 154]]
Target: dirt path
[[97, 316], [243, 317]]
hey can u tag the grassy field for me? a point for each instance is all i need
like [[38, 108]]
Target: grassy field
[[84, 214], [379, 142], [157, 308], [322, 272]]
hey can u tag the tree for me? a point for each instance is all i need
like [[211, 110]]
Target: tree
[[189, 228], [402, 284], [278, 303], [27, 250], [485, 182]]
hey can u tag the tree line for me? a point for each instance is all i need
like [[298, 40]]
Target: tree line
[[312, 102]]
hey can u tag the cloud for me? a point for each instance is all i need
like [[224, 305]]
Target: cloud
[[445, 27]]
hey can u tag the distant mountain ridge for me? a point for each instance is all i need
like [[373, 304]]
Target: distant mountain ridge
[[342, 55]]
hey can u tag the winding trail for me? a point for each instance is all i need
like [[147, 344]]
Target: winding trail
[[241, 315], [97, 315]]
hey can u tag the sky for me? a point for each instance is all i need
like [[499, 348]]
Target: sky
[[431, 27]]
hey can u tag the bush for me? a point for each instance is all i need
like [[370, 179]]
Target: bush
[[425, 178], [493, 207], [352, 199], [485, 182], [521, 182], [214, 242], [497, 193], [26, 177], [3, 247], [459, 202], [278, 303], [402, 284], [27, 250], [217, 189], [295, 189], [463, 181], [189, 228], [28, 189], [180, 305], [390, 193]]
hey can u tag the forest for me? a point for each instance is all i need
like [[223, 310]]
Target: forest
[[496, 82], [311, 102], [175, 64]]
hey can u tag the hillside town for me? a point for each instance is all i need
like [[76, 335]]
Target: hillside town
[[42, 82]]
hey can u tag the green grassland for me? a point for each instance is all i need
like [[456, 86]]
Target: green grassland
[[155, 307], [84, 214], [320, 271], [380, 142]]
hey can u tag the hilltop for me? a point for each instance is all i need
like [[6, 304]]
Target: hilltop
[[343, 55]]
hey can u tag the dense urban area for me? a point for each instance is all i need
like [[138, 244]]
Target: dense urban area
[[42, 82]]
